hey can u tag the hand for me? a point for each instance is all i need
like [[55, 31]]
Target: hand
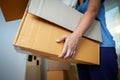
[[70, 45]]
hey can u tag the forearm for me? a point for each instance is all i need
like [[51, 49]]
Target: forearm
[[87, 18], [85, 23], [72, 40]]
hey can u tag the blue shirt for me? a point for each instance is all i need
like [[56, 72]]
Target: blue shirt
[[107, 39]]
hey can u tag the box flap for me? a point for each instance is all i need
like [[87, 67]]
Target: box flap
[[57, 12], [13, 9]]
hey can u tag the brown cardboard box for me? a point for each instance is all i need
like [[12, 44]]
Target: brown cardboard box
[[39, 37], [63, 74], [55, 75], [66, 71], [33, 70], [57, 65], [71, 74], [69, 70], [13, 9]]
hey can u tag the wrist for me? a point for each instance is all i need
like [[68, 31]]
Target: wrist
[[77, 34]]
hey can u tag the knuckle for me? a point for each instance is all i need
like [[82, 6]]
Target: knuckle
[[65, 35], [71, 46]]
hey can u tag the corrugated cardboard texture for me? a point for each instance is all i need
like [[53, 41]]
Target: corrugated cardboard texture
[[70, 70], [55, 75], [57, 12], [13, 9], [56, 65], [39, 37], [33, 71], [71, 74]]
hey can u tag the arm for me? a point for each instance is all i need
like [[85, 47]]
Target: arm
[[88, 17], [72, 40]]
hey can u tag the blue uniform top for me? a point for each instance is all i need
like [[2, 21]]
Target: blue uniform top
[[107, 39]]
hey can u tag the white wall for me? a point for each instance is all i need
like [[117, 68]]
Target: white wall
[[113, 22], [109, 4], [12, 63]]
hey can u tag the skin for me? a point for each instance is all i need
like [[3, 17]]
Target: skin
[[81, 1], [72, 40]]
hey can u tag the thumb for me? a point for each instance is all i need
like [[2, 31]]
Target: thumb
[[62, 38]]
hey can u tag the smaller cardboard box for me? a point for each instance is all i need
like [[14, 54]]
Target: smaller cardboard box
[[63, 74], [70, 70], [33, 69], [13, 9], [57, 65], [39, 37], [55, 75]]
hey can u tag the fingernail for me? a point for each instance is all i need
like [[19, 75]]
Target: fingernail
[[57, 40]]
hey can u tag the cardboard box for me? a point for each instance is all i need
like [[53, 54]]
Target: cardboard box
[[63, 74], [13, 9], [39, 37], [33, 70], [71, 74], [66, 71], [55, 75], [57, 65], [57, 12]]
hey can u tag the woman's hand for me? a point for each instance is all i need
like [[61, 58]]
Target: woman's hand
[[72, 40], [70, 45]]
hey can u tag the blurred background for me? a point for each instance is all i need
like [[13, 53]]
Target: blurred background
[[13, 64], [113, 22]]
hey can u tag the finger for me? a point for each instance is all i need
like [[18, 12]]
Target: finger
[[61, 39], [63, 51], [68, 53], [73, 54]]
